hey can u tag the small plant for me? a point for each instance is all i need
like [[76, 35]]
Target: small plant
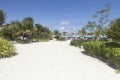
[[6, 49], [77, 42]]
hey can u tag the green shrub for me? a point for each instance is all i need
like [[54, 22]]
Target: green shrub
[[113, 44], [77, 42], [6, 48], [61, 39], [113, 55], [74, 43], [95, 49], [102, 51], [24, 41]]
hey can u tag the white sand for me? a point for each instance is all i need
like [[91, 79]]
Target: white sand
[[53, 61]]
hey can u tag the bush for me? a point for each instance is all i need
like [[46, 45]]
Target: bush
[[59, 38], [104, 51], [95, 49], [24, 41], [113, 44], [74, 43], [6, 48], [77, 42], [113, 55]]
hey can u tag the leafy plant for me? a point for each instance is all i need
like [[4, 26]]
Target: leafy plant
[[77, 42], [6, 48], [104, 51], [114, 30]]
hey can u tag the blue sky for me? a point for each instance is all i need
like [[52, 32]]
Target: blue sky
[[65, 15]]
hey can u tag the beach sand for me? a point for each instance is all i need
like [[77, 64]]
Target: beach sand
[[53, 60]]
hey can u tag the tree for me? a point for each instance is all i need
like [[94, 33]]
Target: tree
[[64, 33], [10, 31], [113, 30], [56, 32], [90, 26], [101, 17], [2, 17], [42, 32], [28, 23], [27, 26], [83, 31]]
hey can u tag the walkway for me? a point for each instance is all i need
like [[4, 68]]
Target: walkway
[[53, 61]]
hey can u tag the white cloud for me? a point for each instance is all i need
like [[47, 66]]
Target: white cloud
[[64, 23], [67, 30], [61, 28]]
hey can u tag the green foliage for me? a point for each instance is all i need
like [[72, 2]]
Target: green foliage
[[6, 48], [2, 17], [83, 31], [27, 23], [58, 36], [25, 31], [61, 38], [10, 31], [24, 41], [95, 48], [104, 51], [90, 26], [102, 15], [114, 30], [112, 44], [56, 32], [77, 42], [97, 27], [114, 56], [74, 43]]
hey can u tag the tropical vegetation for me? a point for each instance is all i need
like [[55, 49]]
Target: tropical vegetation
[[105, 50], [113, 30], [58, 35], [2, 17], [6, 49], [24, 31], [97, 27]]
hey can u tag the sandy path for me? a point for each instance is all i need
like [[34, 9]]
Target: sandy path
[[53, 61]]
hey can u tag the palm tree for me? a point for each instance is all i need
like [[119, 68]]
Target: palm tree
[[90, 26], [82, 32], [64, 33], [27, 23], [2, 17]]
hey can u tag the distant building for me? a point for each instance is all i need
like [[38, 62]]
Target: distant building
[[71, 37]]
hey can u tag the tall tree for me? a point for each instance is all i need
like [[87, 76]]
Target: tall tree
[[101, 17], [113, 30], [56, 32], [10, 31], [90, 26], [2, 17], [28, 23], [83, 31], [64, 33]]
